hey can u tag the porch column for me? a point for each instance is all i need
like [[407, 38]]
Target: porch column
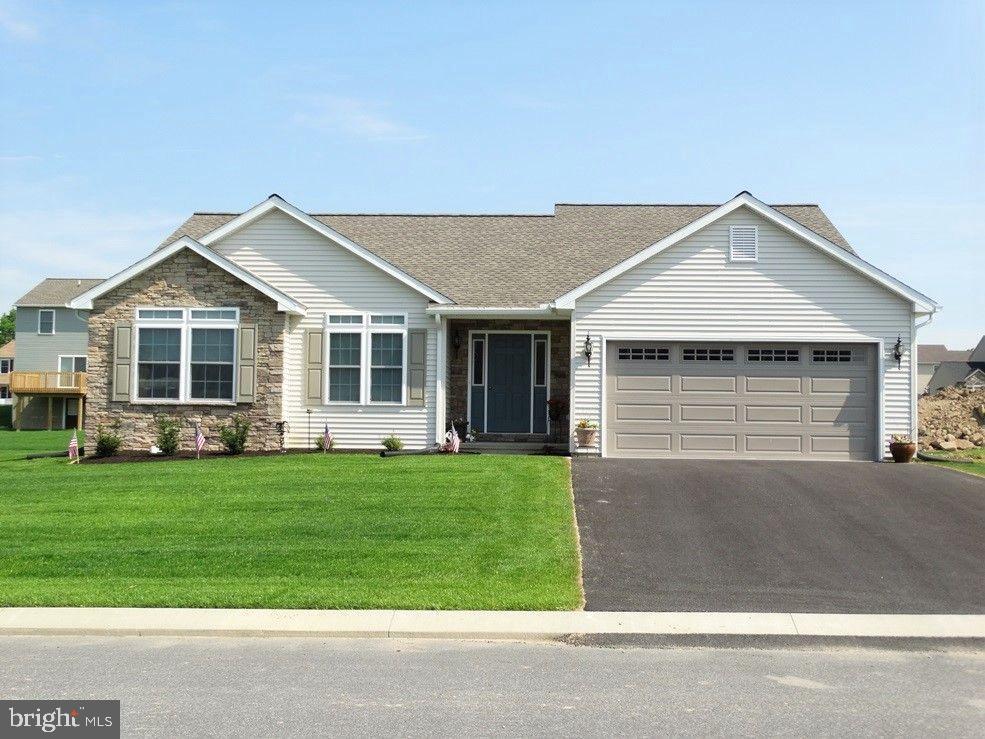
[[18, 409], [78, 414], [441, 380]]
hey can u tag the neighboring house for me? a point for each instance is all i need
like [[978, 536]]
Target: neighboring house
[[6, 367], [929, 358], [52, 345], [736, 330], [968, 371]]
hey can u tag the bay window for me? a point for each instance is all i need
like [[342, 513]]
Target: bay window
[[367, 358], [186, 354]]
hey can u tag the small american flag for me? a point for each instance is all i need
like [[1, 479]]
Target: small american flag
[[455, 441], [199, 442], [73, 448], [326, 440]]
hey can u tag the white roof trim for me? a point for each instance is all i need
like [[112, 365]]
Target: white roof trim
[[973, 373], [285, 302], [278, 203], [920, 301], [466, 311]]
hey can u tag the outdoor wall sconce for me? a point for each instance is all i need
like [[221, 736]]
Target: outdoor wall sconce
[[588, 348], [898, 352], [456, 340]]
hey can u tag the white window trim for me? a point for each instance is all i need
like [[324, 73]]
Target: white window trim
[[366, 328], [53, 314], [731, 248], [184, 325], [73, 357]]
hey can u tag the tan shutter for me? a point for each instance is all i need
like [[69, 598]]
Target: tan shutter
[[122, 360], [247, 365], [416, 367], [314, 360]]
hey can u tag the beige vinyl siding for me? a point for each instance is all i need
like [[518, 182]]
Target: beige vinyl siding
[[326, 278], [793, 293]]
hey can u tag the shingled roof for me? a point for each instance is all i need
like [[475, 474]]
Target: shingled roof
[[934, 353], [515, 260], [54, 292]]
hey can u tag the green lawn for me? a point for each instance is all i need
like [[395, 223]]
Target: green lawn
[[978, 468], [298, 531]]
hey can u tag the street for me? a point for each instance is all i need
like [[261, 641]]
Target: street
[[285, 686]]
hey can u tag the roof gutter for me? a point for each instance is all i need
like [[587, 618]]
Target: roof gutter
[[544, 312]]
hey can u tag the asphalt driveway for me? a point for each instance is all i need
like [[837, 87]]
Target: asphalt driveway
[[686, 535]]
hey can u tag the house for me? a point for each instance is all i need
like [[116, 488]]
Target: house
[[929, 358], [732, 330], [48, 385], [966, 368], [6, 367]]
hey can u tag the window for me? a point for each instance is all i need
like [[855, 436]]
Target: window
[[644, 353], [186, 354], [770, 354], [159, 363], [212, 362], [346, 319], [702, 354], [478, 361], [4, 392], [71, 364], [6, 365], [540, 362], [161, 313], [831, 355], [387, 320], [46, 322], [743, 243], [344, 363], [386, 381]]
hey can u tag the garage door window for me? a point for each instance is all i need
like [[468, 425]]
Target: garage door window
[[644, 353], [772, 354], [828, 356], [703, 354]]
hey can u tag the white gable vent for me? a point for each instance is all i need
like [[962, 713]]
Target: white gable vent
[[743, 243]]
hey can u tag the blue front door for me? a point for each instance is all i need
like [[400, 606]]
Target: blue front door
[[508, 384]]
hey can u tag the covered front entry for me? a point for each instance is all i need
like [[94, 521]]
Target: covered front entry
[[509, 382]]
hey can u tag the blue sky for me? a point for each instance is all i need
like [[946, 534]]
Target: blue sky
[[118, 120]]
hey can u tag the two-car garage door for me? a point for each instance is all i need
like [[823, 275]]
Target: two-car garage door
[[754, 400]]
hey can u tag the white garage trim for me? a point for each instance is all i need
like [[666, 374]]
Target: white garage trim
[[870, 340]]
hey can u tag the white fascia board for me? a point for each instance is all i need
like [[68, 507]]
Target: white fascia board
[[285, 303], [278, 203], [921, 303], [465, 311]]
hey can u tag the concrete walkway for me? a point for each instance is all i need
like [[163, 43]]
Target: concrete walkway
[[518, 625]]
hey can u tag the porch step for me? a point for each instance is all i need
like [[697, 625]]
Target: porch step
[[512, 438], [515, 447]]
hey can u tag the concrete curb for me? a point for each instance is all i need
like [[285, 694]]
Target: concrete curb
[[516, 625]]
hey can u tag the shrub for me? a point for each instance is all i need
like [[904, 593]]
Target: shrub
[[320, 443], [233, 436], [167, 435], [392, 443], [107, 442]]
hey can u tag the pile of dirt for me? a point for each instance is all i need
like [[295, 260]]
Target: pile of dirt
[[952, 418]]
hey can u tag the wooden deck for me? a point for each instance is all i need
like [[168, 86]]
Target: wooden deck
[[48, 383]]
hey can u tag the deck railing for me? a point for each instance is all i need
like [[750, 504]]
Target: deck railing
[[47, 383]]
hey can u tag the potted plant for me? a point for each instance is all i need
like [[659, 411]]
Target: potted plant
[[587, 433], [902, 447]]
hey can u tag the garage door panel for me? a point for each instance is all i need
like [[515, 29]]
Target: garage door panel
[[774, 414], [724, 413], [643, 412], [643, 442], [654, 383], [770, 400], [698, 384], [773, 385], [708, 442]]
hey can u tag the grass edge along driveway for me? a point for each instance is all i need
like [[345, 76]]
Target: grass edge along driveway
[[299, 531]]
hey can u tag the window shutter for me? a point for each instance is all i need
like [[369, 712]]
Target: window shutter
[[122, 360], [743, 243], [314, 360], [247, 364], [416, 367]]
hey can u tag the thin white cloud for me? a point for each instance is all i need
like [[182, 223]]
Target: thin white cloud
[[14, 158], [73, 243], [15, 26], [353, 117]]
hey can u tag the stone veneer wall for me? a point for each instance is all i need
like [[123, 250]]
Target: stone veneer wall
[[185, 280], [458, 361]]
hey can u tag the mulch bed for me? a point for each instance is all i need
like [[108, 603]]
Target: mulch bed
[[145, 456]]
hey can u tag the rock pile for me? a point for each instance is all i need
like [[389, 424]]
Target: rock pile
[[952, 418]]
